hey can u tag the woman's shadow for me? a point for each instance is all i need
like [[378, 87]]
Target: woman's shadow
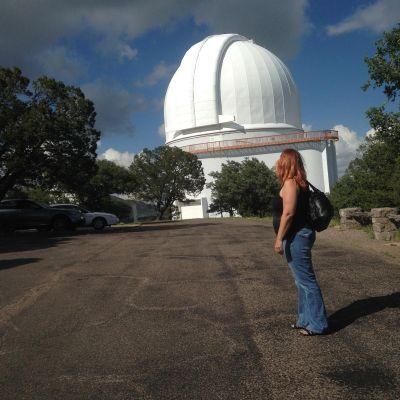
[[361, 308]]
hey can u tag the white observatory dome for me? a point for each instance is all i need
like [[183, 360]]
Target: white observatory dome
[[228, 79]]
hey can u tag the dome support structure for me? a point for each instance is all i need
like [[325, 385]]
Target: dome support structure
[[231, 99]]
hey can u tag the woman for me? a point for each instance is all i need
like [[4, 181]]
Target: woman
[[295, 238]]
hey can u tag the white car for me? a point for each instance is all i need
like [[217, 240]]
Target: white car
[[92, 218]]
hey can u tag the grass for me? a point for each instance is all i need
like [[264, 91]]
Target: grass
[[264, 219], [335, 221], [369, 231]]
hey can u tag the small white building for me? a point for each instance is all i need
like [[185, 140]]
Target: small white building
[[231, 99]]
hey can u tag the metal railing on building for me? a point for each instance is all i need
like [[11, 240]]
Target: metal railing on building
[[260, 141]]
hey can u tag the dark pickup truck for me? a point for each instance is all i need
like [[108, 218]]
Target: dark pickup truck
[[27, 214]]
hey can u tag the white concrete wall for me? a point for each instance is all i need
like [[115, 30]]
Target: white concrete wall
[[196, 210], [319, 159], [330, 165], [191, 212]]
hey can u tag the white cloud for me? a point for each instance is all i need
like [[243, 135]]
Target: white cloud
[[124, 159], [114, 106], [117, 47], [30, 27], [161, 130], [347, 146], [370, 133], [160, 72], [306, 127], [126, 51], [31, 33], [277, 25], [379, 16]]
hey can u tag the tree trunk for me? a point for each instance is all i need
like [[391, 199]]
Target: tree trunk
[[161, 212]]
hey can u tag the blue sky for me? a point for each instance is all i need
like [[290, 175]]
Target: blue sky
[[123, 53]]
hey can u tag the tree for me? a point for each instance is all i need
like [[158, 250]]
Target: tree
[[246, 187], [47, 134], [384, 72], [95, 195], [110, 178], [41, 195], [224, 188], [371, 180], [165, 175], [396, 181], [258, 185], [368, 181]]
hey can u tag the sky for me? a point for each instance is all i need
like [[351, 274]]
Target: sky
[[122, 53]]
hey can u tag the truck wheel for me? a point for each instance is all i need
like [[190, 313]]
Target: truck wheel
[[60, 223], [99, 224]]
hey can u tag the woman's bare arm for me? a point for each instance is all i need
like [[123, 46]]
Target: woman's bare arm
[[289, 197]]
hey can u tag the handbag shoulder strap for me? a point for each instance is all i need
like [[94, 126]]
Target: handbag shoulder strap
[[313, 187]]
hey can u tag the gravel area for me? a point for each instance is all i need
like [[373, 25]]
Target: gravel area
[[193, 310]]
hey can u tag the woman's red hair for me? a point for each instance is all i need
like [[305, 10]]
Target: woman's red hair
[[290, 165]]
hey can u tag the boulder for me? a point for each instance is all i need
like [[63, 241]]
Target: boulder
[[395, 219], [384, 226], [353, 217], [385, 235], [347, 212], [385, 222], [383, 212]]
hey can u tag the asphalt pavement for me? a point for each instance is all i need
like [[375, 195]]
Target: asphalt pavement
[[190, 310]]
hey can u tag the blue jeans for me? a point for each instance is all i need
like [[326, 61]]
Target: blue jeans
[[311, 307]]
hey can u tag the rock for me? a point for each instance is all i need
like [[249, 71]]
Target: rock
[[382, 212], [385, 221], [377, 220], [346, 212], [384, 226], [353, 217], [350, 224], [364, 218], [385, 235], [395, 219]]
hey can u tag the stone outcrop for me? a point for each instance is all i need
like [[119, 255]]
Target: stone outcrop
[[385, 221], [354, 218]]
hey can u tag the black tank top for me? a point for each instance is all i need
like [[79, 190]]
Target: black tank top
[[300, 218]]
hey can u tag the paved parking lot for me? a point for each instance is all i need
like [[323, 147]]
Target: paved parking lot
[[193, 310]]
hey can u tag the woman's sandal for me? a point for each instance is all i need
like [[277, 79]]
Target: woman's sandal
[[295, 326], [307, 332]]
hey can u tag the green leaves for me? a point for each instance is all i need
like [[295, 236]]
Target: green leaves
[[47, 134], [246, 187], [165, 175], [384, 72], [110, 178], [368, 181], [372, 179], [384, 66]]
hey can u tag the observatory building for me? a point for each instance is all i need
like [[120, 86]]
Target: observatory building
[[231, 99]]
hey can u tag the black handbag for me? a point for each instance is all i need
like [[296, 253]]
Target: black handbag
[[320, 209]]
